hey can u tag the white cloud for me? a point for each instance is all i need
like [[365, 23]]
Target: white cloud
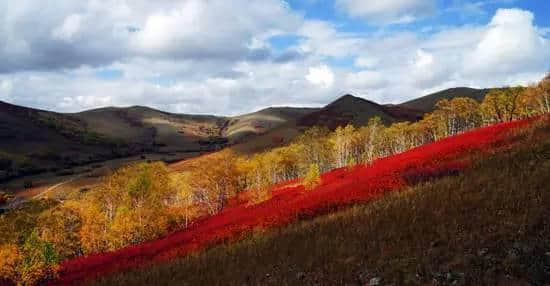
[[169, 61], [321, 76], [387, 11], [323, 39], [510, 44], [68, 29], [509, 50]]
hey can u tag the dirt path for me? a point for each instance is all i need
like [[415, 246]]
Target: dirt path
[[41, 194]]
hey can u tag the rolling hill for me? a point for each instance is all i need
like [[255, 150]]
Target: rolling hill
[[427, 103], [346, 109], [35, 141], [243, 126]]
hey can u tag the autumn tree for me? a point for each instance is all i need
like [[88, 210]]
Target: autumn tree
[[369, 137], [181, 203], [60, 226], [39, 261], [142, 214], [346, 146], [315, 150], [312, 178], [260, 173], [10, 259], [536, 98], [502, 104], [130, 206], [216, 179]]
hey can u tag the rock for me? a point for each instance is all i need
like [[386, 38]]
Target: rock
[[374, 281]]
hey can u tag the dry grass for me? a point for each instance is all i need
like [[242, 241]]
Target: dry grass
[[487, 226]]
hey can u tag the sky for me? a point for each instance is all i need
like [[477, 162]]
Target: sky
[[229, 57]]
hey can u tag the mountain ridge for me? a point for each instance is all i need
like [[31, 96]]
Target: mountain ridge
[[36, 140]]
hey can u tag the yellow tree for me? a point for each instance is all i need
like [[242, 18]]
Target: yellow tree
[[9, 262], [536, 98], [312, 178], [502, 104], [315, 149], [95, 228], [143, 212], [60, 226], [181, 204], [342, 142], [259, 172], [216, 179], [39, 260]]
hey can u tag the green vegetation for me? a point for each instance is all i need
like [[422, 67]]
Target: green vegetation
[[70, 128], [487, 226]]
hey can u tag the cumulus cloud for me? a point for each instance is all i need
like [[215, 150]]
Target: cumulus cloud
[[70, 34], [511, 43], [387, 11], [509, 50], [321, 76], [194, 56]]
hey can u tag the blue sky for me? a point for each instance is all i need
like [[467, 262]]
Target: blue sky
[[234, 56]]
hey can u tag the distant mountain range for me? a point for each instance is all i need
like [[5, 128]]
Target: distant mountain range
[[34, 141]]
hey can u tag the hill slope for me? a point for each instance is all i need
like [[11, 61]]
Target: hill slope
[[339, 188], [34, 141], [346, 109], [240, 127], [151, 127], [486, 226], [427, 103]]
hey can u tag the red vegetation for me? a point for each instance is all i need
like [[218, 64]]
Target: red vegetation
[[339, 188]]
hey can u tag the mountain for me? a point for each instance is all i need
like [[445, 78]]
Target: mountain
[[34, 141], [347, 109], [427, 103]]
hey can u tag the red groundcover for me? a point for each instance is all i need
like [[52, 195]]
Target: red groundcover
[[339, 188]]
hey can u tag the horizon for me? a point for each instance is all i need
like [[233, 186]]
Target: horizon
[[253, 111], [192, 57]]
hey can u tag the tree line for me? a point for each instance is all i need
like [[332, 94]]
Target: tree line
[[144, 201]]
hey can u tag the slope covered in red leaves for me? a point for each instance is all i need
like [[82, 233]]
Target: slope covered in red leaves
[[339, 188]]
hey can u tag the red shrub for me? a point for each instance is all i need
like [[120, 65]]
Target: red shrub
[[339, 188]]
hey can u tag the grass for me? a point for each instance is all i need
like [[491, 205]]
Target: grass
[[486, 226]]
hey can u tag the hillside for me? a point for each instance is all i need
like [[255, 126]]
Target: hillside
[[34, 141], [167, 131], [347, 109], [427, 103], [487, 225], [243, 126], [339, 188]]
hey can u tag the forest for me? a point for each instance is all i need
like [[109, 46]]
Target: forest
[[145, 201]]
